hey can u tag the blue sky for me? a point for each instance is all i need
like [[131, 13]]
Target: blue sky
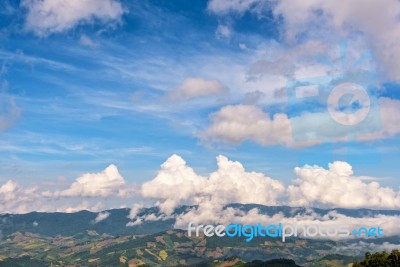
[[123, 83]]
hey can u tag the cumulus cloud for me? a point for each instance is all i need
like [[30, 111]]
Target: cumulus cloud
[[338, 187], [15, 198], [174, 174], [103, 184], [196, 87], [238, 123], [234, 124], [298, 59], [101, 216], [177, 184], [51, 16], [91, 191]]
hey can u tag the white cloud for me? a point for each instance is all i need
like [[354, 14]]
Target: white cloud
[[137, 220], [91, 191], [223, 31], [329, 21], [86, 41], [102, 216], [174, 174], [177, 184], [234, 124], [135, 210], [338, 187], [106, 183], [51, 16], [134, 223], [380, 29], [17, 199], [196, 87]]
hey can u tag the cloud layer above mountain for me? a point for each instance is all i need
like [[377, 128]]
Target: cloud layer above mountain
[[178, 184]]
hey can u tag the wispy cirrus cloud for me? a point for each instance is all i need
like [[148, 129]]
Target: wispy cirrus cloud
[[9, 112]]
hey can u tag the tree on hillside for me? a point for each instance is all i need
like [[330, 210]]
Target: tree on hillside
[[380, 259]]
